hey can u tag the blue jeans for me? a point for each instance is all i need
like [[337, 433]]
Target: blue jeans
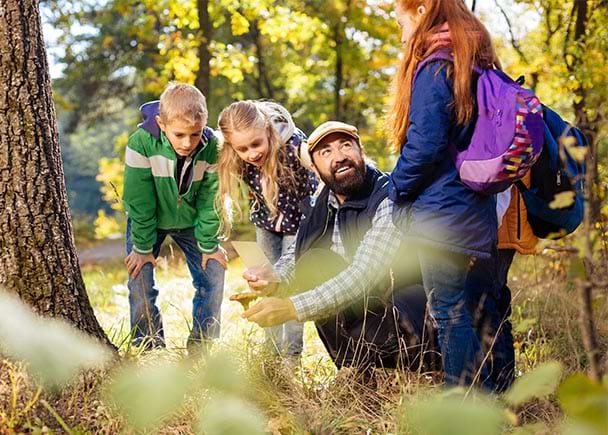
[[146, 320], [444, 275], [285, 338], [489, 301]]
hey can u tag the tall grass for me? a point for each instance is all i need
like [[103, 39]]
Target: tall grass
[[245, 385]]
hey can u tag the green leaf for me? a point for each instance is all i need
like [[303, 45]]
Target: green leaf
[[147, 395], [584, 401], [230, 416], [453, 415], [575, 428], [541, 382], [524, 325], [221, 373], [531, 429], [53, 350]]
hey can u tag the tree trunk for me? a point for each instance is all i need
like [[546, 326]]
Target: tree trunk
[[339, 73], [262, 79], [38, 258], [203, 75]]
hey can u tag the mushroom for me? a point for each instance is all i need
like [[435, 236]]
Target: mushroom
[[244, 298]]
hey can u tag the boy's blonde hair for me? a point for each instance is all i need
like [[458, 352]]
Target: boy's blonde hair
[[183, 101], [241, 116]]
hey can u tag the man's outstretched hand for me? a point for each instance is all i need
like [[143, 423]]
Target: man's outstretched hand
[[271, 312]]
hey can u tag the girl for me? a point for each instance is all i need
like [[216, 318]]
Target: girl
[[261, 149], [449, 222]]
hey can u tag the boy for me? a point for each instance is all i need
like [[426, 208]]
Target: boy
[[170, 186]]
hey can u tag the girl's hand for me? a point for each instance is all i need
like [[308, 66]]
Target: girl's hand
[[135, 261], [220, 256]]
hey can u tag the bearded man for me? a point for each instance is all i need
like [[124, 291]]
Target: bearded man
[[348, 270]]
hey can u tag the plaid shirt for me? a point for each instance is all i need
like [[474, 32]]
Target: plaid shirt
[[366, 269]]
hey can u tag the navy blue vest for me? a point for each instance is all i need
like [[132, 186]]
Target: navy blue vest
[[355, 216]]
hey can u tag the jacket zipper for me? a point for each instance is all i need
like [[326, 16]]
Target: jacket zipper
[[326, 222]]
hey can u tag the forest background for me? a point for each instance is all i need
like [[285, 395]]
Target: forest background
[[322, 60]]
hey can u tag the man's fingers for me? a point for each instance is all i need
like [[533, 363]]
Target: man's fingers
[[258, 285], [258, 318], [204, 263], [250, 275], [253, 310]]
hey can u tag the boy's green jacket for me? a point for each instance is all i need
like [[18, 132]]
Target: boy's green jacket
[[151, 195]]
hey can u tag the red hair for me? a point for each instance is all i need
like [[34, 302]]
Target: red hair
[[466, 50]]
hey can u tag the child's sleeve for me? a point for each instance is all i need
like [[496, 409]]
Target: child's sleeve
[[139, 195], [426, 143], [208, 223]]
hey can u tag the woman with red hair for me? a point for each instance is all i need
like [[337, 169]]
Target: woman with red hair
[[433, 111]]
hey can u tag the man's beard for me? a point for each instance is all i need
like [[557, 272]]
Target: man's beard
[[351, 184]]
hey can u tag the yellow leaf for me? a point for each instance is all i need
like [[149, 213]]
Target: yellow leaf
[[562, 200], [578, 153], [239, 24]]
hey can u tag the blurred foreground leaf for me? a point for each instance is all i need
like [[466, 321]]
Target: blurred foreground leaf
[[146, 395], [53, 350], [540, 382], [585, 402], [454, 415], [531, 429], [226, 415], [221, 373]]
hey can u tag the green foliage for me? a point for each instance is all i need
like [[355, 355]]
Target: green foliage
[[147, 395], [585, 403], [539, 383], [229, 415], [453, 413], [53, 350]]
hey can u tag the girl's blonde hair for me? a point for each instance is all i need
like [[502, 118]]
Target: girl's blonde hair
[[242, 116], [470, 45]]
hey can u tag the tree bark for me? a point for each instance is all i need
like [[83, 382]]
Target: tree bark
[[339, 73], [203, 75], [263, 83], [38, 258], [592, 201]]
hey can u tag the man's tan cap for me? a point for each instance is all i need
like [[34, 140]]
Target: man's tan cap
[[328, 128]]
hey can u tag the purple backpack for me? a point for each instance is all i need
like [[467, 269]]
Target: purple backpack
[[508, 135]]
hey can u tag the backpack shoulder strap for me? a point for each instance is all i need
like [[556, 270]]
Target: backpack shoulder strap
[[521, 186], [440, 55]]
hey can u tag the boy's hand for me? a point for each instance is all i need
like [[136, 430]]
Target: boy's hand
[[220, 256], [260, 280], [271, 312], [136, 261]]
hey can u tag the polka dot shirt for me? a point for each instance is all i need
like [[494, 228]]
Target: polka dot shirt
[[287, 220]]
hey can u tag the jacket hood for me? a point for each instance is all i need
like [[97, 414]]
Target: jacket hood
[[148, 112]]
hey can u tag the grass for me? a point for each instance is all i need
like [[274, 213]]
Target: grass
[[309, 396]]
